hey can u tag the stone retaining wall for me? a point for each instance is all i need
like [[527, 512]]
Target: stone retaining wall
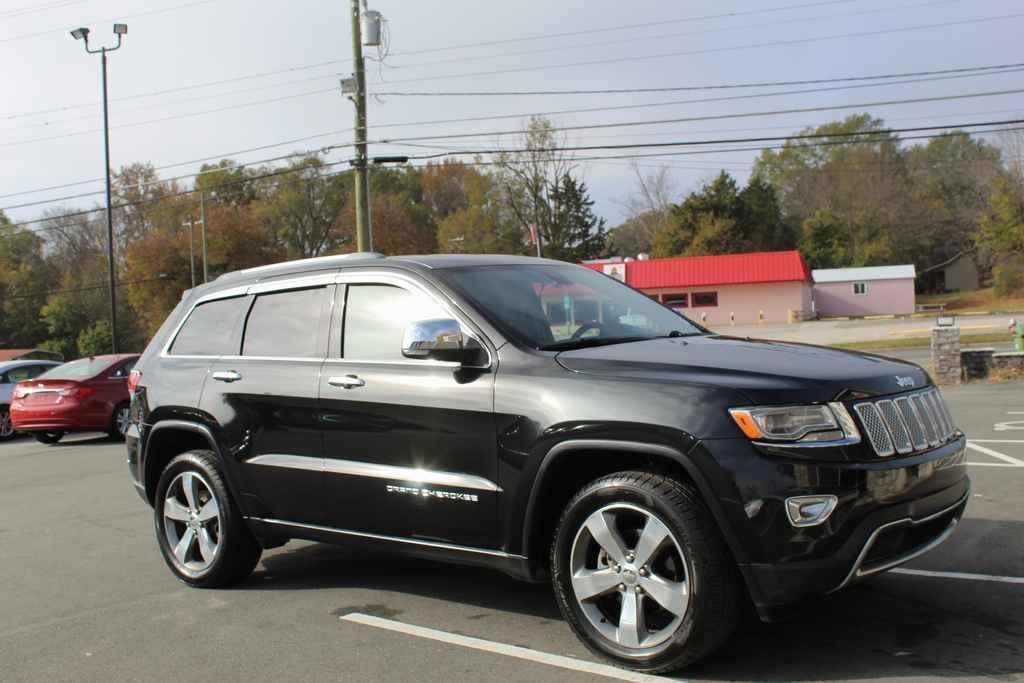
[[979, 363]]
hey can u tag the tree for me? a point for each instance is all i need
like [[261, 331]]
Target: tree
[[229, 184], [95, 339], [649, 211], [823, 242], [1001, 231], [303, 207], [574, 233], [24, 277], [484, 225], [854, 169], [526, 179], [719, 198], [394, 230]]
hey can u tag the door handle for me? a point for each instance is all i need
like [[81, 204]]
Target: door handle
[[227, 376], [347, 381]]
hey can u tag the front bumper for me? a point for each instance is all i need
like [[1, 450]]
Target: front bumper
[[889, 511]]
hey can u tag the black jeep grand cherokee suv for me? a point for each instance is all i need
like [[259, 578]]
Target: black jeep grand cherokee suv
[[542, 419]]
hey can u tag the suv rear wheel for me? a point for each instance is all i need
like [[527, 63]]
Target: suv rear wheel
[[642, 573], [201, 533]]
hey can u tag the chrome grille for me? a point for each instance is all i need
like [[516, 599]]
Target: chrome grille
[[877, 433], [906, 424], [913, 422], [897, 428], [925, 413]]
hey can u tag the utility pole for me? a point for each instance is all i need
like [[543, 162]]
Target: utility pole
[[202, 221], [82, 34], [190, 224], [359, 98]]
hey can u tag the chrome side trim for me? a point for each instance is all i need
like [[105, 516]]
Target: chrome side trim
[[856, 572], [393, 539], [368, 469]]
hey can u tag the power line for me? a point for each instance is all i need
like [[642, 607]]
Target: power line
[[172, 195], [194, 3], [604, 44], [711, 50], [712, 117], [46, 7], [330, 62], [86, 288], [683, 88], [685, 143], [854, 82], [609, 125], [697, 143], [493, 117]]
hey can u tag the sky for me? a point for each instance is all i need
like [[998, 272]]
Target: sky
[[196, 79]]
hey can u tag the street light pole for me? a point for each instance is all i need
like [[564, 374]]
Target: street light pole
[[83, 34]]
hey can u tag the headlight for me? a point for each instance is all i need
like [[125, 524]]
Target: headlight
[[799, 425]]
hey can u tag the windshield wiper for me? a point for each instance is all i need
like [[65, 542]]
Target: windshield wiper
[[588, 342], [675, 334]]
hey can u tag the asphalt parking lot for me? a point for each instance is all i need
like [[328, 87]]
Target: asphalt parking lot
[[84, 594]]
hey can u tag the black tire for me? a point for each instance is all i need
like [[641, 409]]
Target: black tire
[[237, 551], [48, 437], [714, 605], [6, 428], [114, 431]]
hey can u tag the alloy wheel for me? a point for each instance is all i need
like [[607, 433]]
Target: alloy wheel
[[123, 419], [6, 426], [630, 577], [192, 522]]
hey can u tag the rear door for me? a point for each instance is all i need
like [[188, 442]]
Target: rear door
[[264, 396], [409, 445]]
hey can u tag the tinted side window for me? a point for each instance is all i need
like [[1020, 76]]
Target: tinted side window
[[20, 374], [376, 317], [284, 324], [210, 329]]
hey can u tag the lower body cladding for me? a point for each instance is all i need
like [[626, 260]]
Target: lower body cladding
[[886, 512]]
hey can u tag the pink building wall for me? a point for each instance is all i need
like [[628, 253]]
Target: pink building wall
[[884, 297], [775, 299]]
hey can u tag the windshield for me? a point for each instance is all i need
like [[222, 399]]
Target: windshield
[[555, 307], [83, 368]]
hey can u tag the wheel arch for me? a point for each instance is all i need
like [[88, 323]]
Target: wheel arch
[[569, 465], [167, 439]]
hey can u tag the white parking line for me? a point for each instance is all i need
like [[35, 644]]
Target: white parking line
[[959, 575], [1013, 462], [570, 663], [997, 441]]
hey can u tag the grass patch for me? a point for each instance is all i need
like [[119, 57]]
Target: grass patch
[[921, 342], [981, 301]]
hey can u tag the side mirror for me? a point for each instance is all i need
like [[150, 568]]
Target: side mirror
[[440, 339]]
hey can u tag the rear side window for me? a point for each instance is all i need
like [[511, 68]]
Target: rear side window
[[210, 329], [376, 317], [80, 369], [285, 324]]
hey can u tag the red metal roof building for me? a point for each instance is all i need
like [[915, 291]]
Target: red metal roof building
[[741, 288]]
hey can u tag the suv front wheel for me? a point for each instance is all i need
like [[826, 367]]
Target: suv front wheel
[[642, 573], [201, 533]]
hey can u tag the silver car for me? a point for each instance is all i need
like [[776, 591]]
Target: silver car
[[12, 372]]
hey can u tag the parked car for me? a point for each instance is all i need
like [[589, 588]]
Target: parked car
[[88, 394], [11, 373], [542, 419]]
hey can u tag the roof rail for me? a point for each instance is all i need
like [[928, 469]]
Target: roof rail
[[316, 260]]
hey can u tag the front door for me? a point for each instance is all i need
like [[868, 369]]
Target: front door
[[265, 399], [409, 445]]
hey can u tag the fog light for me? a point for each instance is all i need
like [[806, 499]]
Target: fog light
[[809, 510]]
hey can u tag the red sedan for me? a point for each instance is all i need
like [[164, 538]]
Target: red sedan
[[85, 395]]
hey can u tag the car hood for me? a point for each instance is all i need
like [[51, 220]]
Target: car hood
[[766, 371]]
